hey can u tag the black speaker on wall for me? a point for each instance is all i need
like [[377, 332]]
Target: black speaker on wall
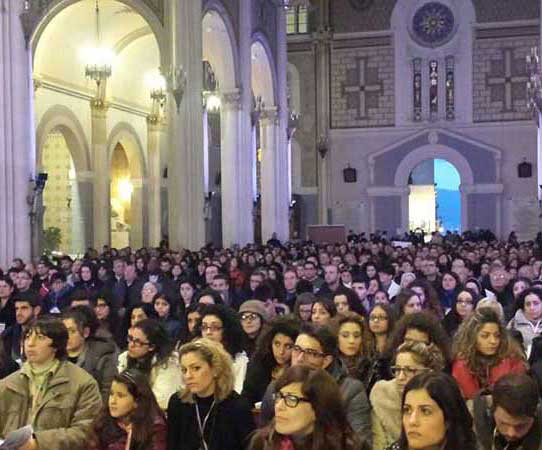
[[525, 170], [350, 175]]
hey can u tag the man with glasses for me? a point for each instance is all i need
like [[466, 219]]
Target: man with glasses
[[317, 347]]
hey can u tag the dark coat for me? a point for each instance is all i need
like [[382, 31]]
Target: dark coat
[[256, 381], [228, 427], [7, 314], [158, 443]]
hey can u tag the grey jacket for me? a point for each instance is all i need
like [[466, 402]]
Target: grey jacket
[[358, 409]]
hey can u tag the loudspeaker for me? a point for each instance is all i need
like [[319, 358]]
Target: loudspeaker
[[350, 175]]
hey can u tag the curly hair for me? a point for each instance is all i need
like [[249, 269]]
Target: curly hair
[[232, 334], [288, 326], [367, 339], [432, 303], [426, 323], [219, 360], [428, 356], [465, 348]]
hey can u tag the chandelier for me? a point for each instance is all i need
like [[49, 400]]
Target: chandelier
[[296, 3], [534, 85], [98, 60]]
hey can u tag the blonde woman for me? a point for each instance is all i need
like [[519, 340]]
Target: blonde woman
[[207, 413], [411, 359]]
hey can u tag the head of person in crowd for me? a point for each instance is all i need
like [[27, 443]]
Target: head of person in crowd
[[187, 291], [87, 272], [463, 305], [370, 270], [148, 345], [435, 415], [255, 280], [193, 316], [209, 297], [474, 284], [482, 340], [515, 408], [381, 297], [140, 312], [408, 302], [381, 320], [206, 370], [23, 281], [303, 306], [412, 358], [45, 341], [323, 309], [27, 308], [220, 323], [420, 327], [211, 271], [166, 307], [519, 285], [346, 300], [406, 279], [428, 296], [308, 408], [529, 302], [105, 308], [386, 274], [131, 404], [373, 287], [221, 284], [315, 346], [498, 278], [449, 282], [253, 315], [148, 291], [82, 324], [7, 287], [354, 339], [491, 302], [430, 268], [359, 286]]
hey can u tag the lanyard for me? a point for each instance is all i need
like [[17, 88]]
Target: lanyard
[[201, 425]]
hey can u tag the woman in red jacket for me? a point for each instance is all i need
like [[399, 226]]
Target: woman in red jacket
[[483, 353], [132, 420]]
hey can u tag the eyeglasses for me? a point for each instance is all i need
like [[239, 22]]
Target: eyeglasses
[[212, 328], [137, 342], [307, 351], [464, 302], [408, 371], [249, 316], [378, 318], [290, 400]]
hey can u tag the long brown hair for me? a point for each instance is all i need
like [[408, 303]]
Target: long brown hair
[[331, 429]]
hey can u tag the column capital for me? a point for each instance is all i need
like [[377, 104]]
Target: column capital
[[98, 108], [232, 99], [269, 116]]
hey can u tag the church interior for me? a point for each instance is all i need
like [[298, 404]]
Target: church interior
[[125, 122]]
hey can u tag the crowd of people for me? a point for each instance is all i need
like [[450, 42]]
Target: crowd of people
[[358, 345]]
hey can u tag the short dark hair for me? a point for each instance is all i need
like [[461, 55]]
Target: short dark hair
[[58, 276], [323, 335], [6, 279], [517, 394], [84, 317], [30, 297], [387, 268], [54, 329]]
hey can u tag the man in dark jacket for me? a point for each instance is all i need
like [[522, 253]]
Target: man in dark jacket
[[510, 418], [317, 348], [98, 356]]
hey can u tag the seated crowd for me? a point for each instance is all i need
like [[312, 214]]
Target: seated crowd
[[364, 344]]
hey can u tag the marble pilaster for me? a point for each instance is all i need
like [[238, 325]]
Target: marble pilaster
[[16, 135], [155, 140]]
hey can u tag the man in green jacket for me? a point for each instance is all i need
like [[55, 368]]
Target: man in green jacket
[[59, 399]]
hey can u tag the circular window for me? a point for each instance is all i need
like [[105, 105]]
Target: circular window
[[433, 24]]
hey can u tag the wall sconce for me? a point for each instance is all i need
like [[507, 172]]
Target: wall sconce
[[176, 83], [293, 123], [322, 146], [257, 107]]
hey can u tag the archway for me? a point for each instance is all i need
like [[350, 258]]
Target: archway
[[434, 202], [63, 219], [121, 198]]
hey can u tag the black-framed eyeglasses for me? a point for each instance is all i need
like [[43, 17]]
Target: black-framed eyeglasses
[[249, 316], [136, 341], [290, 400], [407, 370], [307, 351]]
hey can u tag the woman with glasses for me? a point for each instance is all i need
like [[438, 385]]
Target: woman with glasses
[[463, 306], [484, 352], [131, 419], [272, 356], [411, 358], [434, 416], [219, 323], [151, 352], [253, 317], [207, 414], [309, 414]]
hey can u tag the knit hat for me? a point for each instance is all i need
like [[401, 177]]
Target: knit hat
[[255, 306]]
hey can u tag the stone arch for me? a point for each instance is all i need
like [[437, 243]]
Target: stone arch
[[437, 151], [139, 6], [61, 118], [227, 70], [264, 76], [126, 134]]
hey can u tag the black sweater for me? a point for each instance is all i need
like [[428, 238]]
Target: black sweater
[[228, 427]]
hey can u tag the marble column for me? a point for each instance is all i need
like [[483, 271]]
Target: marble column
[[237, 226], [137, 208], [155, 140], [17, 150], [185, 168], [100, 165], [82, 192], [273, 177]]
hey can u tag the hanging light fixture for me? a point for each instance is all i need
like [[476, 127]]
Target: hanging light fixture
[[98, 60], [296, 3]]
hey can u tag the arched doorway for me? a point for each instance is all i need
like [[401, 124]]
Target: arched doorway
[[121, 198], [63, 222], [434, 202]]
